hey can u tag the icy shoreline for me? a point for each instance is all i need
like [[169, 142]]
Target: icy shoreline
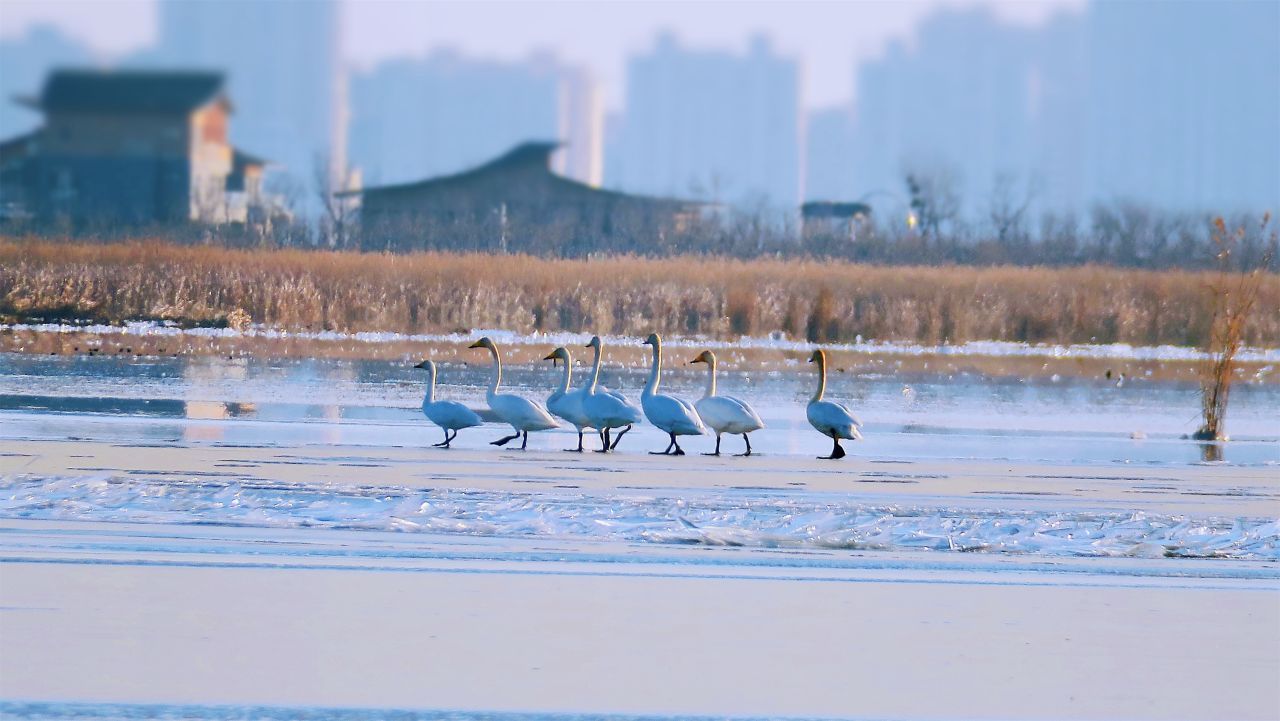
[[995, 349]]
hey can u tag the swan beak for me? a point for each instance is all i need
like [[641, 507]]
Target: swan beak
[[810, 359], [551, 356], [477, 344], [697, 360], [421, 366]]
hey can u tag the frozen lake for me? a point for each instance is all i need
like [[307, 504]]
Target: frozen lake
[[224, 539], [204, 399]]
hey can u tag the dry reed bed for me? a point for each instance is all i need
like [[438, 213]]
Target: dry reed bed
[[431, 292]]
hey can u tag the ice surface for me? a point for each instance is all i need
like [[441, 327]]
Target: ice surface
[[761, 520]]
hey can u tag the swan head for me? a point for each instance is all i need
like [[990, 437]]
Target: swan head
[[594, 343], [559, 354], [818, 356], [426, 365], [484, 342], [705, 356], [654, 340]]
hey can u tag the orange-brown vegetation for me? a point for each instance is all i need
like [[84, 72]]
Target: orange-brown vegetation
[[432, 292]]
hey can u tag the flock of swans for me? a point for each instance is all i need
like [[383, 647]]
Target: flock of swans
[[602, 410]]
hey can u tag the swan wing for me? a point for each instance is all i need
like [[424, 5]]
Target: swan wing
[[728, 415], [673, 415], [569, 407], [521, 413], [451, 415], [609, 410], [832, 418]]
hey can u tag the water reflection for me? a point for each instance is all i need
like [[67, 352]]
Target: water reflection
[[1211, 452]]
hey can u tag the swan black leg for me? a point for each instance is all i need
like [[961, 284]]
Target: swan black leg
[[445, 442], [679, 451], [579, 448], [748, 440], [836, 450], [668, 449], [505, 439], [621, 433], [525, 441], [604, 443], [717, 452]]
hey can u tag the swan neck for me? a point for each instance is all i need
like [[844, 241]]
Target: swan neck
[[568, 376], [822, 379], [497, 371], [595, 372], [431, 386], [655, 372], [711, 378]]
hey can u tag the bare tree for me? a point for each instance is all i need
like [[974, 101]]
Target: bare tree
[[1232, 295], [1008, 210], [331, 185], [934, 199]]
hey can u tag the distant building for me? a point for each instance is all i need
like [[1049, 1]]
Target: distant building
[[516, 203], [831, 155], [724, 127], [445, 113], [283, 65], [129, 149], [957, 103], [837, 220]]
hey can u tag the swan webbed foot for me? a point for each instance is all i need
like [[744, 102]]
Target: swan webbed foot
[[504, 440], [525, 442], [836, 451], [670, 445], [748, 440]]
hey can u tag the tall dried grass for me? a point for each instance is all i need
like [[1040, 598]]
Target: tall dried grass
[[430, 292]]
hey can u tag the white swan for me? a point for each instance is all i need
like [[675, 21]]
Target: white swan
[[831, 419], [565, 403], [724, 414], [606, 409], [674, 415], [449, 415], [523, 414]]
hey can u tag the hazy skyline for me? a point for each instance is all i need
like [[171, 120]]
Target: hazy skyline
[[829, 39]]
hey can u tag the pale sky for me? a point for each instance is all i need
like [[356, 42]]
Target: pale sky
[[827, 37]]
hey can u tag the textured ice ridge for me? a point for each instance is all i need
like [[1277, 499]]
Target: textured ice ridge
[[729, 519]]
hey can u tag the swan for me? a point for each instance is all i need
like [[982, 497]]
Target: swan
[[724, 414], [831, 419], [606, 409], [565, 403], [449, 415], [523, 414], [675, 416]]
